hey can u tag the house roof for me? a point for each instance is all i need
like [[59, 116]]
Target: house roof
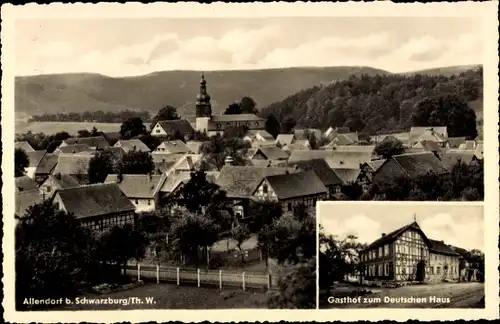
[[272, 153], [241, 181], [35, 158], [479, 151], [463, 252], [268, 163], [238, 117], [392, 236], [455, 142], [285, 139], [194, 146], [343, 139], [178, 125], [297, 184], [266, 143], [25, 146], [94, 200], [432, 135], [296, 146], [175, 146], [352, 148], [375, 164], [403, 137], [25, 183], [47, 163], [162, 167], [335, 159], [467, 145], [300, 134], [63, 181], [98, 142], [322, 170], [450, 158], [417, 132], [428, 145], [441, 248], [187, 162], [119, 152], [137, 185], [26, 199], [111, 137], [75, 164], [417, 164], [75, 148], [166, 157], [175, 179], [133, 144], [261, 132], [347, 175]]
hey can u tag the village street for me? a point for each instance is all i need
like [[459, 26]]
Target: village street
[[446, 295]]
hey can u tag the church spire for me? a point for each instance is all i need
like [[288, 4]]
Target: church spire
[[414, 217], [203, 105]]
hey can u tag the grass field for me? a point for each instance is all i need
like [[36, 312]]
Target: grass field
[[70, 127], [166, 296]]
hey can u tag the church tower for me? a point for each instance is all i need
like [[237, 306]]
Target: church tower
[[203, 106]]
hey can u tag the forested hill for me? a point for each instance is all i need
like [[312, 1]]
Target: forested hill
[[76, 93], [383, 102]]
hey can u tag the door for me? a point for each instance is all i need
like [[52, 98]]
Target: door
[[420, 271]]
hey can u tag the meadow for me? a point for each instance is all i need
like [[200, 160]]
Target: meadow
[[71, 127]]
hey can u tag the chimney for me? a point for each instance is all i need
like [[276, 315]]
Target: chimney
[[383, 234], [120, 178], [134, 147], [229, 160]]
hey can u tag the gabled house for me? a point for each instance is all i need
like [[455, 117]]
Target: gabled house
[[141, 189], [25, 146], [25, 183], [429, 146], [343, 139], [172, 147], [410, 166], [132, 145], [329, 178], [451, 157], [407, 255], [172, 128], [273, 153], [253, 135], [25, 199], [365, 176], [111, 137], [76, 165], [285, 139], [94, 142], [97, 206], [335, 159], [438, 134], [216, 124], [74, 148], [34, 159], [292, 189], [57, 181], [45, 167], [297, 145], [176, 180], [188, 162]]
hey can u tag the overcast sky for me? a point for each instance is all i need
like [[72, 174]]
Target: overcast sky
[[125, 47], [456, 224]]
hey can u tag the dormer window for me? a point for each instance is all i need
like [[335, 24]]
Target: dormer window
[[264, 188]]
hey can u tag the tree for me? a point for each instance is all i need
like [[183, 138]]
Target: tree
[[52, 254], [165, 113], [132, 127], [389, 147], [296, 287], [95, 132], [248, 106], [240, 233], [219, 147], [273, 126], [136, 162], [120, 244], [21, 162], [101, 165], [84, 133], [233, 109], [446, 110], [288, 124]]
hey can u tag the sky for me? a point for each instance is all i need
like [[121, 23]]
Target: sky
[[458, 224], [129, 47]]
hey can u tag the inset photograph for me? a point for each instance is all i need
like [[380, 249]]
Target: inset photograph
[[401, 255]]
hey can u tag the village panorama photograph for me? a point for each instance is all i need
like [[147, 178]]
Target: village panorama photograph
[[176, 163], [401, 255]]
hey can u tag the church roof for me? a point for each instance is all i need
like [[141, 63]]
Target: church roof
[[238, 117]]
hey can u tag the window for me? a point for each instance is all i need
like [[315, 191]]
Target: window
[[380, 252], [149, 202], [386, 249], [337, 189], [137, 201], [158, 130], [49, 188], [386, 270], [264, 188], [431, 270], [289, 206], [438, 270], [380, 269]]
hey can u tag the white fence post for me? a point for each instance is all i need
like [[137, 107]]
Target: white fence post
[[243, 280], [178, 276], [220, 279], [198, 275], [157, 273], [138, 271]]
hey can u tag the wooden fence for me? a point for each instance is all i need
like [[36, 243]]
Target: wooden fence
[[199, 277]]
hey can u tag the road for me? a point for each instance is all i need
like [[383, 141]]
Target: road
[[446, 295]]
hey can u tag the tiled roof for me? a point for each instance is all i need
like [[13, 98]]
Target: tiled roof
[[299, 184], [416, 132], [417, 164], [352, 148], [375, 164], [392, 236], [335, 159], [166, 157], [194, 146], [162, 167], [173, 147], [455, 142], [268, 163], [432, 135], [266, 143], [94, 200], [188, 162], [429, 146], [442, 248], [241, 181], [111, 137], [75, 164], [322, 170], [347, 175], [296, 146], [137, 185], [450, 158], [238, 117], [26, 199], [98, 142], [285, 139], [63, 181], [116, 151], [132, 145], [25, 183], [262, 133], [273, 153], [175, 179], [181, 126], [47, 163], [25, 146], [74, 148], [35, 158]]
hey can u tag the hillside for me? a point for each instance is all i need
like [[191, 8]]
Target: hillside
[[64, 93]]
